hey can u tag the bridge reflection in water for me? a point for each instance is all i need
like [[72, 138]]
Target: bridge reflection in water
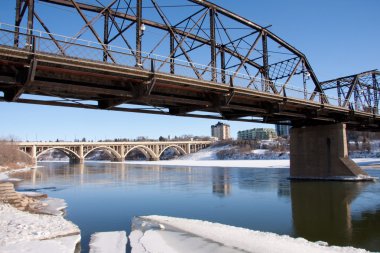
[[322, 212]]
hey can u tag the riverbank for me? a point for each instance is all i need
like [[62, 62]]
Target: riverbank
[[365, 163], [32, 222], [22, 231], [208, 157]]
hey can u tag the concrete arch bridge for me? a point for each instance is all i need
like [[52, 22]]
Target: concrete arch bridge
[[78, 151]]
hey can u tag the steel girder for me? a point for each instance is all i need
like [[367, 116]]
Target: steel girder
[[204, 40], [357, 92], [189, 35]]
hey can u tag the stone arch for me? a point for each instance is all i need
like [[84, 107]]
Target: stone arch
[[149, 154], [113, 152], [71, 154], [176, 147]]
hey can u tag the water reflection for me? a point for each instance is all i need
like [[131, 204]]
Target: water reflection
[[221, 185], [322, 211], [106, 196]]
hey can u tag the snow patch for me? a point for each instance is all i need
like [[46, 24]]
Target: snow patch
[[220, 163], [18, 226]]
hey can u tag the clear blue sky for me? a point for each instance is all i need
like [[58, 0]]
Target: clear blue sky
[[339, 37]]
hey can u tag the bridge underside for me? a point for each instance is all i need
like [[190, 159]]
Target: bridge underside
[[77, 83]]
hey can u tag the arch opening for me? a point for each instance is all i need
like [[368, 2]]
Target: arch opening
[[102, 154], [140, 153], [172, 152], [57, 154]]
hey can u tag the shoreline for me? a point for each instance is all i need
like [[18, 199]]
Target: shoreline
[[34, 222], [365, 163], [34, 239]]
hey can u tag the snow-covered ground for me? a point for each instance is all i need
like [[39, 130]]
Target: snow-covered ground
[[22, 230], [156, 234], [207, 157], [5, 176], [220, 163]]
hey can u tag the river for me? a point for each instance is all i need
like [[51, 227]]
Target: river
[[106, 196]]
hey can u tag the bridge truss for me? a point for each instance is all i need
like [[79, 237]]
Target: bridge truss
[[187, 58]]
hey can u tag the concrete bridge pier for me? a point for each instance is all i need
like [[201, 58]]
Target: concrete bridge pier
[[77, 160], [321, 152], [34, 161], [34, 155], [119, 159]]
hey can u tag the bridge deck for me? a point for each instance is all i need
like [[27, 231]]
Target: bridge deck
[[112, 85]]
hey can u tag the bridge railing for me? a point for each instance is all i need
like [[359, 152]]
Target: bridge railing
[[42, 42]]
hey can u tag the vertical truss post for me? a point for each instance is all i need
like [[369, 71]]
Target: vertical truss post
[[356, 98], [172, 69], [223, 64], [265, 60], [18, 19], [375, 93], [29, 39], [369, 97], [339, 93], [213, 44], [139, 32], [304, 78], [106, 34]]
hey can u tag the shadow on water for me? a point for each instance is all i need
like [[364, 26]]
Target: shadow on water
[[321, 211]]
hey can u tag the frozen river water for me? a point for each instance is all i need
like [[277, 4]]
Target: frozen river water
[[106, 196]]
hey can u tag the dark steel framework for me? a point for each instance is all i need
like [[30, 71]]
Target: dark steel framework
[[359, 92], [237, 52]]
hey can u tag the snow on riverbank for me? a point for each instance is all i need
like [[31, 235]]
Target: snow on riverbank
[[174, 235], [5, 175], [21, 230], [219, 163], [207, 157]]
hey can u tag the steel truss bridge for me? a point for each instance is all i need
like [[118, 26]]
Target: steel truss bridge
[[118, 151], [185, 58]]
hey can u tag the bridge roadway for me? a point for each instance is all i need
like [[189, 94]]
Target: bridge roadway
[[78, 151]]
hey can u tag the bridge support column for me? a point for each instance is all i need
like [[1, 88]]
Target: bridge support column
[[188, 148], [320, 152], [119, 159], [34, 155], [79, 160]]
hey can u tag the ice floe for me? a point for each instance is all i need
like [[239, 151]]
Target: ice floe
[[156, 234], [108, 242]]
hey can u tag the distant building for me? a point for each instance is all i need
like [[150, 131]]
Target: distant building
[[257, 134], [282, 130], [221, 131]]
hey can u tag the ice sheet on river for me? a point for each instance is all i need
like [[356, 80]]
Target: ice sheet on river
[[108, 242], [156, 234]]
